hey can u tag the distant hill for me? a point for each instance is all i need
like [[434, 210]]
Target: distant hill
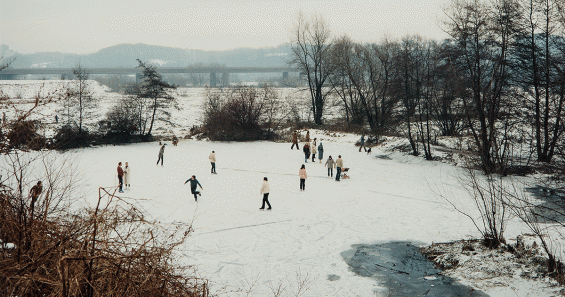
[[125, 55]]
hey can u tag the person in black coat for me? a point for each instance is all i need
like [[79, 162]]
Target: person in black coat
[[306, 150], [193, 184]]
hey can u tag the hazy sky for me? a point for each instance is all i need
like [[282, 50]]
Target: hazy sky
[[79, 26]]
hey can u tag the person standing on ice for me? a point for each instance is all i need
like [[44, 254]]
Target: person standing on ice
[[338, 166], [330, 163], [265, 189], [307, 136], [193, 184], [314, 151], [362, 141], [320, 152], [306, 150], [212, 158], [126, 175], [294, 141], [303, 177], [120, 176], [161, 153]]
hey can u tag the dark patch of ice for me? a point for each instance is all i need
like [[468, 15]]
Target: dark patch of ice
[[333, 277], [403, 271], [384, 157]]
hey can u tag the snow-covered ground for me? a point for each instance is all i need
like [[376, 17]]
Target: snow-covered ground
[[298, 244], [20, 95], [240, 248]]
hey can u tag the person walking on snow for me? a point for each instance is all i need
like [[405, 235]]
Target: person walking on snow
[[294, 141], [307, 136], [265, 189], [314, 151], [362, 141], [193, 184], [338, 166], [127, 171], [120, 176], [212, 158], [330, 163], [303, 177], [306, 150], [320, 151], [161, 153], [34, 192]]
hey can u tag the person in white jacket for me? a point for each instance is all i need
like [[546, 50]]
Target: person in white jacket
[[212, 158], [127, 172], [265, 189]]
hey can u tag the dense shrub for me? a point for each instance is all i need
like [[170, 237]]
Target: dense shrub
[[23, 135], [68, 137], [234, 115], [50, 249]]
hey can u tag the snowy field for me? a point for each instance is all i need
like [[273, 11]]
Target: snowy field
[[241, 248], [299, 244]]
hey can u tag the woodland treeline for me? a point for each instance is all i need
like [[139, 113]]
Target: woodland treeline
[[499, 78]]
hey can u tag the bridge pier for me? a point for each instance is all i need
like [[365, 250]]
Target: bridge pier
[[213, 79], [226, 79]]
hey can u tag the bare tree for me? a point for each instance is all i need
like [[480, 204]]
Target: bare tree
[[311, 44], [488, 198], [348, 80], [537, 71], [480, 34], [81, 95], [155, 89], [362, 78]]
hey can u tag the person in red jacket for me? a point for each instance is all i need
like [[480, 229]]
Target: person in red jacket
[[120, 176]]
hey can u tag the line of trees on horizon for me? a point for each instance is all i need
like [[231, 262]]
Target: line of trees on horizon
[[500, 75]]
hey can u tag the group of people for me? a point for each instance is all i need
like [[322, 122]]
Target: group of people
[[312, 151], [123, 177], [309, 151]]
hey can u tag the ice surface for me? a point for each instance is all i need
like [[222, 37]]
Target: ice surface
[[299, 243]]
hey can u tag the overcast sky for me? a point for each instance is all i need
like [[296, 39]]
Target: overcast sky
[[78, 26]]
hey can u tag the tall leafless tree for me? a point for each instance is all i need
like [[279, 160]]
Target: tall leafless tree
[[311, 44], [155, 89], [481, 34], [80, 94], [537, 64]]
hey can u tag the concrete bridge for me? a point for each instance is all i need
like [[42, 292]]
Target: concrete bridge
[[67, 73]]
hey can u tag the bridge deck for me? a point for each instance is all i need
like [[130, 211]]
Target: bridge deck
[[24, 71]]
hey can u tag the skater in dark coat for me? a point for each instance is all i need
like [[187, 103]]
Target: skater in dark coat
[[320, 152], [34, 193], [303, 177], [294, 141], [193, 184], [120, 176], [161, 153], [306, 150], [265, 189], [362, 141]]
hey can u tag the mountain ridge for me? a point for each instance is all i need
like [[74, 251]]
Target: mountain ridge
[[125, 55]]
